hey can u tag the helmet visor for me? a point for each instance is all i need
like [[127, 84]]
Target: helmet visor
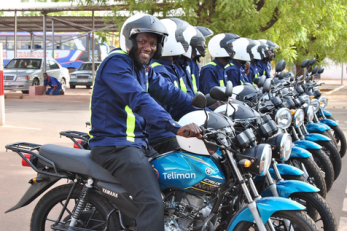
[[135, 31], [229, 47]]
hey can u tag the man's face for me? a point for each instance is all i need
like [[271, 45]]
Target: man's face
[[45, 77], [146, 47], [271, 54]]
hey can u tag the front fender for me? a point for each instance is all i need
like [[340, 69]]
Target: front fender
[[327, 113], [316, 127], [35, 190], [316, 137], [305, 144], [299, 152], [266, 207], [329, 122], [287, 170], [288, 187]]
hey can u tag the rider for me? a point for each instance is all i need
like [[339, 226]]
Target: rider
[[121, 105], [212, 74], [253, 68], [176, 44], [257, 54], [264, 64], [234, 70]]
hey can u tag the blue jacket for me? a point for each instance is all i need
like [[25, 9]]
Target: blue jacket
[[185, 73], [194, 74], [52, 82], [122, 103], [264, 68], [254, 71], [236, 74], [212, 74]]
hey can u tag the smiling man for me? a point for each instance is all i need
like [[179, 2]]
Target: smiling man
[[122, 104]]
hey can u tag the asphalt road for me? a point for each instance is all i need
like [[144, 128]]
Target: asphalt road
[[40, 121]]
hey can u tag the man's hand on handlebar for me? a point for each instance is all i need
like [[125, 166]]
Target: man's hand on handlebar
[[190, 130]]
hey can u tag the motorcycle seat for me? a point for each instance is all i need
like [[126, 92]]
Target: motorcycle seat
[[76, 161]]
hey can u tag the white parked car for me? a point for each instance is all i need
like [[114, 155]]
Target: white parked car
[[20, 73]]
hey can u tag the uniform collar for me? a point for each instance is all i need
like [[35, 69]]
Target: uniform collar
[[162, 61], [235, 63], [218, 63]]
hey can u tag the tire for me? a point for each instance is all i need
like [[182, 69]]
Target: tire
[[312, 173], [333, 154], [340, 139], [63, 83], [317, 209], [331, 117], [97, 204], [301, 220], [25, 92], [325, 165], [72, 86], [36, 82], [88, 87], [328, 134]]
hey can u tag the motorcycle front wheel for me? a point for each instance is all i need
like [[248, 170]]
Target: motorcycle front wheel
[[340, 139], [333, 154], [93, 217], [299, 221]]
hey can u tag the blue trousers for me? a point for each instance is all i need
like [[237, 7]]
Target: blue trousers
[[57, 92]]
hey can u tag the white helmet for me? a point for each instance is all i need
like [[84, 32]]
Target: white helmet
[[141, 23], [250, 46], [220, 45], [271, 44], [180, 34], [240, 46], [260, 51], [198, 43]]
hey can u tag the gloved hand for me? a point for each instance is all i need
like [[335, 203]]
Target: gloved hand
[[193, 129]]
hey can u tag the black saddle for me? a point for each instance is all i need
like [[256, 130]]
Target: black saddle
[[76, 161]]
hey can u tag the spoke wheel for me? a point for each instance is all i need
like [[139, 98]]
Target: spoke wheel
[[93, 216]]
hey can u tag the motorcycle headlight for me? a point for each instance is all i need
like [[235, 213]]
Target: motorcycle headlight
[[261, 154], [282, 144], [299, 117], [323, 102], [307, 99], [315, 105], [309, 113], [283, 118]]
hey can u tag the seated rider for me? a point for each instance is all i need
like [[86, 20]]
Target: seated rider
[[264, 64], [122, 104]]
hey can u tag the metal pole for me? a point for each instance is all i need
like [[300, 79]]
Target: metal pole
[[88, 45], [44, 43], [2, 97], [53, 39], [15, 34], [31, 44], [342, 75], [93, 44]]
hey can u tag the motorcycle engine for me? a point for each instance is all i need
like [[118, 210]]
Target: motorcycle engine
[[182, 211]]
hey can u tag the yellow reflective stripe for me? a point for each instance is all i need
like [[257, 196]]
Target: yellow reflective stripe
[[147, 87], [176, 84], [221, 83], [183, 86], [195, 88], [153, 65], [118, 51], [228, 65], [211, 63], [264, 73], [130, 124], [241, 82]]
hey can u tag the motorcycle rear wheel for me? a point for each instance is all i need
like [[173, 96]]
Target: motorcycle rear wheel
[[299, 221], [93, 216]]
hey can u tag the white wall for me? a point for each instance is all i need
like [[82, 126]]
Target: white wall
[[333, 71]]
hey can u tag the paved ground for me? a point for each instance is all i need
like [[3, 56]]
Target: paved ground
[[41, 119]]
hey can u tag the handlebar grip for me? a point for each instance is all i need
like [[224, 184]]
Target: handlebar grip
[[186, 133]]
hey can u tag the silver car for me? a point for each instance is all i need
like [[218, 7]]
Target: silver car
[[83, 76], [20, 73]]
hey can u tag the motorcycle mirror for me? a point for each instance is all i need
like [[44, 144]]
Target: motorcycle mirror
[[280, 65], [210, 100], [321, 70], [218, 93], [255, 81], [312, 61], [305, 63], [314, 70], [199, 101], [267, 86], [281, 75], [291, 78], [261, 80], [229, 89]]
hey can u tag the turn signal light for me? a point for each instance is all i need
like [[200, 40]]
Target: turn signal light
[[327, 98], [311, 97], [24, 163], [321, 103], [292, 112], [76, 146], [247, 163]]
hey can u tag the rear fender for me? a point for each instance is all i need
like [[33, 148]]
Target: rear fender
[[316, 137], [35, 190], [305, 144], [266, 207], [316, 127], [298, 152], [329, 122], [288, 187]]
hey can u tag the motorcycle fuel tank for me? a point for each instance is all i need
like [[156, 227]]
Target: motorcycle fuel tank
[[188, 172]]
